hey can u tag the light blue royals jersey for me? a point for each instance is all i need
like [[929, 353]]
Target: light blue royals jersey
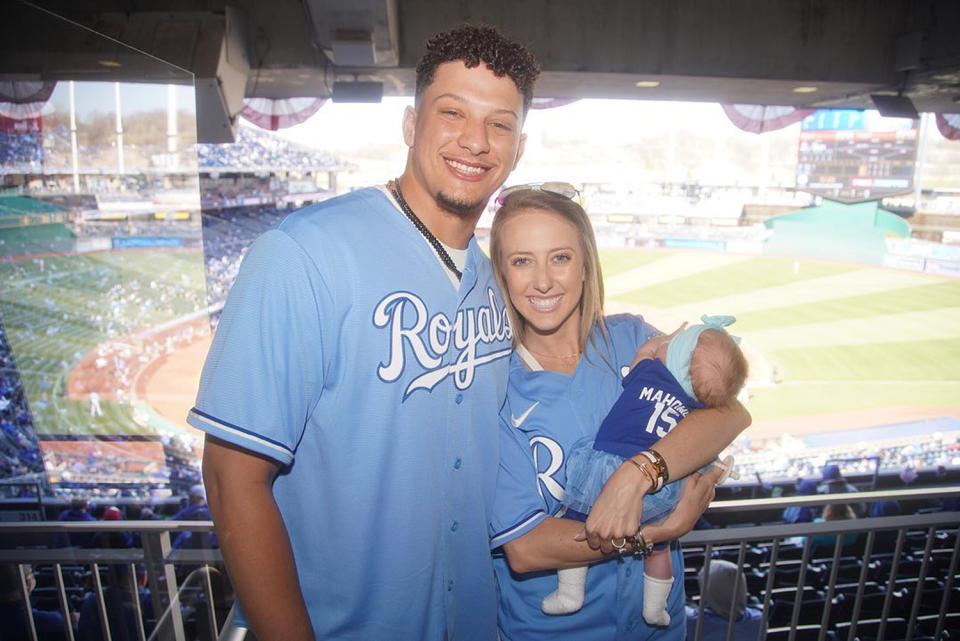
[[546, 413], [346, 354]]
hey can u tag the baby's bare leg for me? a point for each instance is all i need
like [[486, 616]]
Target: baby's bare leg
[[658, 564]]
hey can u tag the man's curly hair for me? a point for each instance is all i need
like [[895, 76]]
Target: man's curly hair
[[473, 44]]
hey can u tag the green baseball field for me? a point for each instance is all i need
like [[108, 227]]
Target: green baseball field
[[830, 345], [95, 323]]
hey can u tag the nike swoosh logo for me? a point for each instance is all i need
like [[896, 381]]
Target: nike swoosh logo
[[517, 422]]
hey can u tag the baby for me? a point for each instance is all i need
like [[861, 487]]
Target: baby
[[701, 366]]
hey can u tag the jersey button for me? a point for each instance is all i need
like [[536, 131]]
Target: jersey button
[[459, 398], [450, 586], [457, 464], [454, 526]]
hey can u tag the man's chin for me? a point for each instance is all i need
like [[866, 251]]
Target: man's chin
[[459, 206]]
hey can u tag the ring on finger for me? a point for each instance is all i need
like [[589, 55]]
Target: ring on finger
[[619, 548]]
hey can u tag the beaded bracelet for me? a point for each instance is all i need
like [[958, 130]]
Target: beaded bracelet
[[641, 547]]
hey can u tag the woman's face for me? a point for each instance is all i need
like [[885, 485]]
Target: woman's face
[[543, 266]]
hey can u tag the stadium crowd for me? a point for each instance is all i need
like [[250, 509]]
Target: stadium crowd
[[19, 451], [227, 234], [135, 227], [21, 152], [255, 151], [790, 457]]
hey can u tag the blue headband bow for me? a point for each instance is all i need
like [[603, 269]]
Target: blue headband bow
[[680, 349]]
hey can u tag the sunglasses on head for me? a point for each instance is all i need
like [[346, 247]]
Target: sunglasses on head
[[565, 190]]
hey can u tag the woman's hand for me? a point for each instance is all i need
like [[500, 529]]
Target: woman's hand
[[697, 496], [617, 512]]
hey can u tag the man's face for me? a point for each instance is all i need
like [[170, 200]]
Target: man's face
[[464, 136]]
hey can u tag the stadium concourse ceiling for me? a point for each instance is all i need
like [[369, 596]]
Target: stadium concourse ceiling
[[809, 53]]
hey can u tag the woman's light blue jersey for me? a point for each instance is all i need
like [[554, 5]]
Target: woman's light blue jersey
[[545, 414]]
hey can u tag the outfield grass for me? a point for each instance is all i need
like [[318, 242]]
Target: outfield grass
[[615, 261], [737, 278], [932, 296], [836, 337]]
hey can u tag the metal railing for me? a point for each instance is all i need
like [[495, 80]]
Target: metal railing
[[191, 598], [909, 569], [180, 582]]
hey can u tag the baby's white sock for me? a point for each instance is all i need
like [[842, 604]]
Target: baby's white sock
[[569, 595], [655, 593]]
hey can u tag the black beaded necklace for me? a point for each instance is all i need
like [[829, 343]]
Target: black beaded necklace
[[394, 187]]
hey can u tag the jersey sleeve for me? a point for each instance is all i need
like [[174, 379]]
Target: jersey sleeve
[[518, 506], [264, 369]]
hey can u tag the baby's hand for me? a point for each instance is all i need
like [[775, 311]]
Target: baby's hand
[[647, 350], [651, 349]]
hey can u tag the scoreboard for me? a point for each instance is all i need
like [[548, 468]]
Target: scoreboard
[[852, 155]]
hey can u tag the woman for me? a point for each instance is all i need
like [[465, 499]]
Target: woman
[[565, 375]]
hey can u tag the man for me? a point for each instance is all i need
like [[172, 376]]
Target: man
[[724, 592], [76, 512], [49, 626], [834, 483], [196, 507], [195, 510], [351, 393]]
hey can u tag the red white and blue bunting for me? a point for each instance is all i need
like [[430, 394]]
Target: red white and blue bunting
[[949, 126], [760, 118], [281, 113], [24, 100]]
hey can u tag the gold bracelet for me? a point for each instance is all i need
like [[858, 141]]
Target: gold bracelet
[[660, 467], [643, 467]]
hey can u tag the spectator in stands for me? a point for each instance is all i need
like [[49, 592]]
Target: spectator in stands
[[196, 510], [50, 626], [121, 611], [835, 512], [890, 507], [113, 538], [802, 513], [139, 513], [948, 503], [885, 508], [834, 483], [136, 512], [78, 511], [724, 593]]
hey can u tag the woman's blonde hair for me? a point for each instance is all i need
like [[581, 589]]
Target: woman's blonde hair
[[591, 300]]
